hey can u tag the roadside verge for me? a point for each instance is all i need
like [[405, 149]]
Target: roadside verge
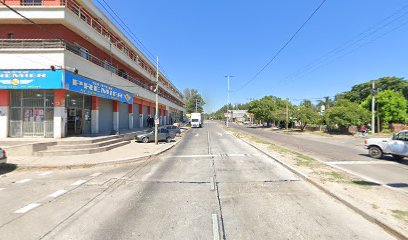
[[377, 204]]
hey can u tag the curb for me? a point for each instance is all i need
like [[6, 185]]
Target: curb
[[365, 215], [117, 161]]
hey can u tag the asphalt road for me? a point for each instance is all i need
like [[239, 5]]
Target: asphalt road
[[347, 154], [210, 186]]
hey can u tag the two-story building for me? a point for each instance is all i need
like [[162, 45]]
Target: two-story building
[[66, 69]]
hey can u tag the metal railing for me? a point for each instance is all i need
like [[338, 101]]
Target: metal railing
[[77, 50]]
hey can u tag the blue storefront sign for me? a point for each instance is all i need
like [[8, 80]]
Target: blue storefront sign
[[87, 86], [31, 79]]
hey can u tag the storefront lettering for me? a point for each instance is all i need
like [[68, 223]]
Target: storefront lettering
[[96, 88], [23, 75]]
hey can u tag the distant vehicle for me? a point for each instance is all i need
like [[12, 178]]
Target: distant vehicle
[[197, 120], [162, 135], [3, 156], [173, 128], [397, 146]]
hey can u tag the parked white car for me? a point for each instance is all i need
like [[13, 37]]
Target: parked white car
[[397, 146]]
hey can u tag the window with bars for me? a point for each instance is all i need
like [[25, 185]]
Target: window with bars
[[31, 2]]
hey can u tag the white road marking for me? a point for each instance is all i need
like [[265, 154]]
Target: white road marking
[[57, 193], [45, 173], [79, 182], [361, 162], [215, 155], [216, 231], [1, 189], [27, 208], [220, 134], [24, 180], [96, 174], [212, 186], [197, 135]]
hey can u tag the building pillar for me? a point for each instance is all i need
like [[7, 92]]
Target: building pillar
[[130, 110], [60, 113], [115, 115], [95, 115], [141, 115], [165, 117], [4, 113]]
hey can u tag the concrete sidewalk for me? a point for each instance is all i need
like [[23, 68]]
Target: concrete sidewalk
[[129, 152]]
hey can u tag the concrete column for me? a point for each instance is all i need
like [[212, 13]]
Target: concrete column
[[60, 113], [165, 117], [130, 110], [141, 115], [4, 113], [115, 115], [95, 115]]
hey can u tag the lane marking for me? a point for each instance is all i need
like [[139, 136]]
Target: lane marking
[[57, 193], [216, 231], [27, 208], [212, 186], [220, 134], [45, 173], [1, 189], [24, 180], [197, 135], [79, 182], [96, 174], [362, 162]]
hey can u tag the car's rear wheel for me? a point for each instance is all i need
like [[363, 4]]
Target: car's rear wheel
[[375, 152], [397, 157], [145, 140], [168, 139]]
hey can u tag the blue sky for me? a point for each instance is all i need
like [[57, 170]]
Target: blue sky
[[199, 42]]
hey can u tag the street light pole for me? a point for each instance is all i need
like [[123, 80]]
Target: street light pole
[[373, 108], [228, 93], [156, 117]]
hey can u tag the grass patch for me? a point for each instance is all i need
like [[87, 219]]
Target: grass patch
[[402, 215], [319, 133], [333, 177]]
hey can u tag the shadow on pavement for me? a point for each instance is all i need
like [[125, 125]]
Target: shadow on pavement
[[386, 158], [6, 168], [365, 183], [398, 185]]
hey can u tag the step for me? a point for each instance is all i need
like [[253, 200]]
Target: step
[[84, 146], [80, 151], [88, 141]]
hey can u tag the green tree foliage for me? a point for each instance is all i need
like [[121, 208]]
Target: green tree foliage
[[391, 106], [360, 92], [191, 98], [268, 109], [306, 114], [346, 113]]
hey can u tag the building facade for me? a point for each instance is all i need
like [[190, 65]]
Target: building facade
[[71, 71]]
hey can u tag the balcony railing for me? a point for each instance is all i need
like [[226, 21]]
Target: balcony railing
[[76, 49]]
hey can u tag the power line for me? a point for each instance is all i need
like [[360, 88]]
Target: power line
[[31, 21], [130, 33], [284, 45]]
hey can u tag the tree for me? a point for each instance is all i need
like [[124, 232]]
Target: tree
[[360, 92], [306, 113], [391, 106], [268, 109], [192, 97], [345, 114], [327, 103]]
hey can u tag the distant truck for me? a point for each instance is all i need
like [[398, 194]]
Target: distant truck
[[197, 120]]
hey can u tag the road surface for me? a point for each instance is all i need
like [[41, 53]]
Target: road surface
[[210, 186], [347, 154]]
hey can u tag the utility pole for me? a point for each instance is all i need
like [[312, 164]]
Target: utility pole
[[228, 93], [287, 113], [196, 105], [373, 107], [156, 117]]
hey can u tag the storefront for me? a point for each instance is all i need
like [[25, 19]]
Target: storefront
[[45, 103]]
